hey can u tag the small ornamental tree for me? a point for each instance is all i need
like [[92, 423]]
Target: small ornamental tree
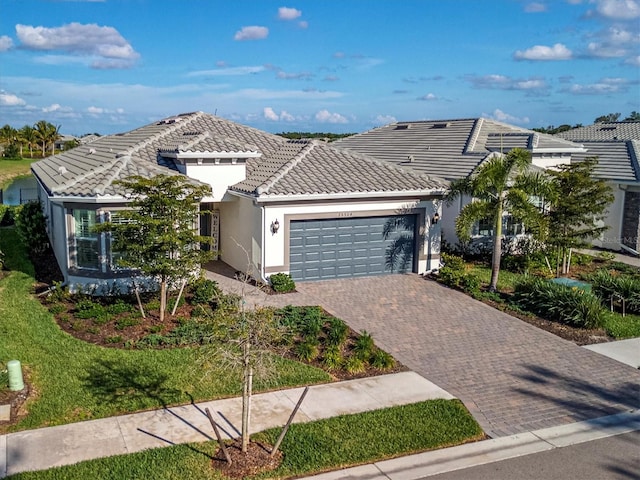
[[579, 202], [159, 235]]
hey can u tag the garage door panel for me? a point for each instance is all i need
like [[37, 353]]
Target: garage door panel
[[343, 247]]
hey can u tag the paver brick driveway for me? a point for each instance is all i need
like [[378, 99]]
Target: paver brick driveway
[[512, 376]]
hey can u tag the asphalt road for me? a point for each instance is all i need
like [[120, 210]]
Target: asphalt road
[[612, 458]]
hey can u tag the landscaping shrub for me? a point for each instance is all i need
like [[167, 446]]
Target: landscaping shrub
[[332, 358], [354, 365], [382, 360], [337, 332], [31, 227], [561, 303], [605, 285], [307, 351], [454, 274], [7, 215], [204, 291], [364, 346], [282, 282]]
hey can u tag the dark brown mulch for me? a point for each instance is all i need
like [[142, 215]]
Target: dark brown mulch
[[16, 400], [256, 460]]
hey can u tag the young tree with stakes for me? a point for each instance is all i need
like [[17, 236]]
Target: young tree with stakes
[[159, 236]]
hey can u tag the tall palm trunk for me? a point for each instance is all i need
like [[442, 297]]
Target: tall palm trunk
[[497, 248]]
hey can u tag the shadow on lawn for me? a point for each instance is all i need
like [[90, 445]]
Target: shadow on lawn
[[130, 387]]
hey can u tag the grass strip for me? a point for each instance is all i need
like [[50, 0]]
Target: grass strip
[[74, 380], [308, 448]]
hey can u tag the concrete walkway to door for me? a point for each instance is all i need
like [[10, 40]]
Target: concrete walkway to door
[[511, 376]]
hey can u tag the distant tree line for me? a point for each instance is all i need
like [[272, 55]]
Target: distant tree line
[[610, 117], [329, 137], [41, 136]]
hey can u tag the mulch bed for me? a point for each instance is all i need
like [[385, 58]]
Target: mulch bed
[[256, 460]]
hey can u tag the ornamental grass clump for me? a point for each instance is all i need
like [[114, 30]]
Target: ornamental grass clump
[[606, 285], [561, 303]]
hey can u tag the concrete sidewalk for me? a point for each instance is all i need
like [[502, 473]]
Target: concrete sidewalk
[[624, 351], [68, 444]]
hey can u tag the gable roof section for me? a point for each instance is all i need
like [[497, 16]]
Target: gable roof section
[[604, 131], [91, 170], [311, 168], [448, 149], [617, 159]]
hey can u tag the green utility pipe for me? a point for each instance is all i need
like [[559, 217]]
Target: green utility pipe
[[15, 375]]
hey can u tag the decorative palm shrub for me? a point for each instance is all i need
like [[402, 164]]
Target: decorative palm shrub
[[569, 305], [605, 285]]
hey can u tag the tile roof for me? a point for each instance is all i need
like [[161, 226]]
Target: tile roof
[[448, 149], [617, 159], [604, 131], [91, 170], [282, 167], [312, 167]]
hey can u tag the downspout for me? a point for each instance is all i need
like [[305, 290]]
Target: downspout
[[263, 277]]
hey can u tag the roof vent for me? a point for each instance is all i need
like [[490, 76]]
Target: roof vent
[[440, 125], [404, 126], [410, 158], [607, 129], [62, 170], [92, 151]]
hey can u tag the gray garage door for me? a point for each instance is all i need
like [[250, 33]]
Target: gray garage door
[[347, 247]]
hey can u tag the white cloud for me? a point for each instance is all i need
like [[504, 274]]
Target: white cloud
[[227, 71], [52, 108], [303, 24], [603, 87], [542, 52], [286, 116], [428, 96], [269, 114], [251, 33], [95, 110], [286, 13], [384, 119], [501, 116], [294, 76], [634, 61], [10, 100], [595, 49], [532, 85], [104, 43], [618, 9], [535, 7], [5, 43], [324, 116]]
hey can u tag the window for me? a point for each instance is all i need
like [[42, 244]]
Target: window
[[86, 242], [115, 256]]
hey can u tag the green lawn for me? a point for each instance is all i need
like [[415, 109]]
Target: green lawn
[[308, 448], [74, 380], [10, 169]]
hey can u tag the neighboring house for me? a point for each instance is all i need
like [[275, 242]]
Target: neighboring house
[[617, 147], [294, 206], [61, 143], [453, 149]]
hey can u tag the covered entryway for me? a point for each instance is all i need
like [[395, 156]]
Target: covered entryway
[[351, 247]]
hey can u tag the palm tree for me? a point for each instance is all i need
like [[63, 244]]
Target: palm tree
[[399, 253], [29, 136], [47, 134], [503, 183], [7, 134]]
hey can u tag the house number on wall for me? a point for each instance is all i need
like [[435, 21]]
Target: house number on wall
[[345, 214]]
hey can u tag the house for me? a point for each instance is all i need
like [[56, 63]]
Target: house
[[294, 206], [65, 140], [617, 147], [453, 149]]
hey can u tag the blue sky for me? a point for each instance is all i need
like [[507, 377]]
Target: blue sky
[[323, 65]]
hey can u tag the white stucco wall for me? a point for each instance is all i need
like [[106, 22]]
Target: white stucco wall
[[241, 235], [612, 238], [220, 177]]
